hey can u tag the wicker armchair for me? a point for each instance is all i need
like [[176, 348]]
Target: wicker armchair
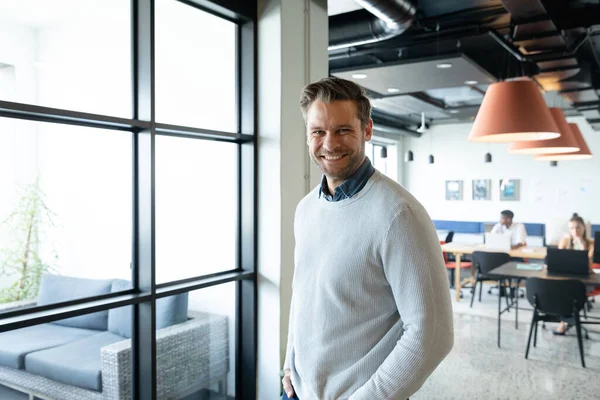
[[190, 356]]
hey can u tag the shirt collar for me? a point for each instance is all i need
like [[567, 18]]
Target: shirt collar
[[351, 186]]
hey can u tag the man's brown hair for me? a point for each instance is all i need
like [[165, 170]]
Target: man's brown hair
[[331, 89]]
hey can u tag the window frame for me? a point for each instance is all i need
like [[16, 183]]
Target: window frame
[[144, 129]]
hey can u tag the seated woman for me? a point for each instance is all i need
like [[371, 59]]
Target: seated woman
[[577, 239]]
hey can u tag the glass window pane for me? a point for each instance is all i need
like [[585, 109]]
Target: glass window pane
[[195, 68], [71, 54], [65, 211], [56, 354], [196, 359], [196, 207]]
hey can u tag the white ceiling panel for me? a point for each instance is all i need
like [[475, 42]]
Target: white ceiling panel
[[419, 76]]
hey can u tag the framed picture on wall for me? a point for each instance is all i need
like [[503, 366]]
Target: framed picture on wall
[[482, 189], [454, 190], [509, 190]]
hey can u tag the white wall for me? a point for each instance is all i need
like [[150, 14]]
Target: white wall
[[546, 192], [285, 171]]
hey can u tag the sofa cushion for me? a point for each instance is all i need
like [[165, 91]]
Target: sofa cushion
[[77, 363], [58, 288], [169, 311], [15, 345]]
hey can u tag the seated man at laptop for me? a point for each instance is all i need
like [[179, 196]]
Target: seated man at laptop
[[507, 226], [577, 239]]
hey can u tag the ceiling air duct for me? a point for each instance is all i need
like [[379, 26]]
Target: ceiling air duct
[[387, 18]]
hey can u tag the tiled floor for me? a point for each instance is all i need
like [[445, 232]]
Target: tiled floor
[[477, 369]]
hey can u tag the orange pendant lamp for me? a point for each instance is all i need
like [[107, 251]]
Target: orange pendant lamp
[[564, 144], [513, 111], [584, 152]]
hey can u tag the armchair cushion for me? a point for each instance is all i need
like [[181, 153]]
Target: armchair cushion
[[76, 363], [58, 288], [15, 345], [170, 310]]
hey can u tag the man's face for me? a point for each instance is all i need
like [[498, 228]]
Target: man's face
[[505, 220], [336, 140]]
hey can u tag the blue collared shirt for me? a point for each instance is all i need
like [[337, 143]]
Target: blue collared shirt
[[352, 185]]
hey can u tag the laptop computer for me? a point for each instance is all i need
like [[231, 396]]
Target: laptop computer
[[498, 241], [567, 262]]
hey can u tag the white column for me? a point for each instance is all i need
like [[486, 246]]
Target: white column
[[292, 51]]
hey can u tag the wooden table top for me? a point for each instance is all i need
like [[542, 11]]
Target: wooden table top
[[523, 252]]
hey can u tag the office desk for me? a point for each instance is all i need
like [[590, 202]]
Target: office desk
[[510, 271], [460, 249]]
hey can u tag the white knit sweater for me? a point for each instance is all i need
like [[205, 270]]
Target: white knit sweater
[[371, 316]]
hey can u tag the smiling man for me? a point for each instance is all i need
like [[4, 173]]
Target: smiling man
[[371, 316]]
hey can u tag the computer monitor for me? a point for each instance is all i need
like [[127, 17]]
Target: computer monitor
[[597, 247]]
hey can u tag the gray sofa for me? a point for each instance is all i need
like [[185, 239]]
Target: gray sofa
[[89, 357]]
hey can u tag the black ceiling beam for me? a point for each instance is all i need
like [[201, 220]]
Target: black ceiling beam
[[393, 124], [476, 89], [507, 46], [566, 17], [428, 99], [459, 17], [576, 90], [587, 105]]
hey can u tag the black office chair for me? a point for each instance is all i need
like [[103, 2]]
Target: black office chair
[[553, 300], [484, 262]]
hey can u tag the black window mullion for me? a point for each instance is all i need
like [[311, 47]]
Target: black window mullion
[[143, 272], [246, 290], [74, 308], [34, 112]]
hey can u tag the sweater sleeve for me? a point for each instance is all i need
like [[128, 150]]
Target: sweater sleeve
[[414, 268], [288, 353]]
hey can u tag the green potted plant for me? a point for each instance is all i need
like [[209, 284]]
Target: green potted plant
[[21, 259]]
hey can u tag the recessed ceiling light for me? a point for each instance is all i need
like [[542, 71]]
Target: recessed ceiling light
[[359, 76], [444, 65], [393, 90], [471, 82], [453, 111]]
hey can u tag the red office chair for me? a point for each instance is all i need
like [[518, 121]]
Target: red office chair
[[451, 266]]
